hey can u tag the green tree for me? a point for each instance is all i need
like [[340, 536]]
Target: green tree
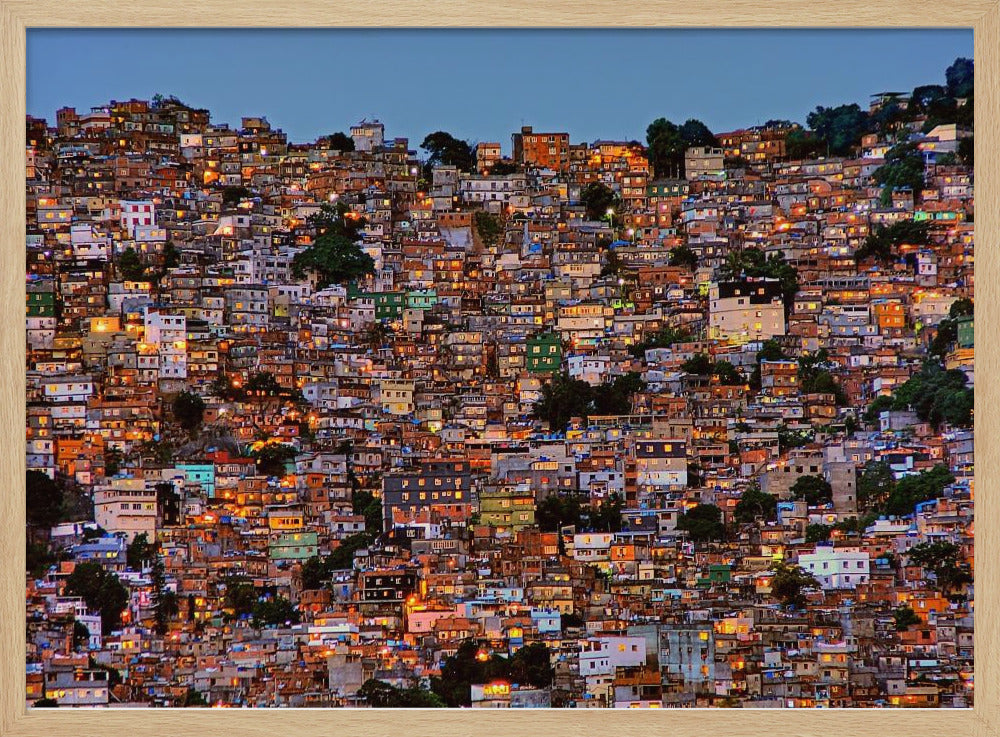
[[165, 605], [44, 500], [663, 338], [925, 95], [695, 133], [38, 558], [139, 552], [943, 559], [314, 573], [171, 256], [770, 350], [815, 490], [875, 484], [340, 141], [683, 256], [598, 198], [904, 617], [274, 611], [562, 399], [365, 503], [502, 168], [337, 219], [233, 195], [557, 511], [818, 533], [333, 259], [840, 128], [937, 396], [81, 636], [666, 148], [801, 144], [702, 523], [960, 78], [607, 516], [814, 380], [613, 264], [903, 169], [471, 664], [883, 242], [445, 149], [240, 596], [130, 266], [967, 150], [962, 307], [101, 590], [789, 584], [615, 397], [788, 438], [461, 670], [727, 374], [917, 488], [755, 504], [699, 364], [342, 557], [271, 459], [379, 694], [944, 338], [489, 227], [193, 698], [879, 405], [532, 665], [189, 410]]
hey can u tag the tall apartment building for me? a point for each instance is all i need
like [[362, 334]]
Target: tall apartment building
[[742, 311], [541, 150]]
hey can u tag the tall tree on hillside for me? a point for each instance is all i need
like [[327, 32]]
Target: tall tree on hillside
[[334, 258], [665, 149], [960, 77], [340, 141], [695, 133], [45, 500], [598, 198], [903, 169], [444, 149], [840, 128]]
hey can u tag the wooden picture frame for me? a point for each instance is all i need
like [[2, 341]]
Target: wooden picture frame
[[17, 15]]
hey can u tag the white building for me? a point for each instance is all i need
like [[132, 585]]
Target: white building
[[87, 243], [507, 189], [593, 369], [743, 311], [600, 656], [72, 389], [592, 547], [165, 339], [126, 506], [837, 569], [136, 212], [368, 135]]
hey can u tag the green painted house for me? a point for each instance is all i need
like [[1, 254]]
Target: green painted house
[[388, 305], [543, 354], [965, 332], [421, 299], [293, 546], [41, 304]]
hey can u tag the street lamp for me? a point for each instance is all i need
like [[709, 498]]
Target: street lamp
[[611, 219]]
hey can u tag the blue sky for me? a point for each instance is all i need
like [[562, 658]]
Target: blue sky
[[484, 84]]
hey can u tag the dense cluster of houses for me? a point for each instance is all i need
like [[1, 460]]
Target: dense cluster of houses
[[302, 489]]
